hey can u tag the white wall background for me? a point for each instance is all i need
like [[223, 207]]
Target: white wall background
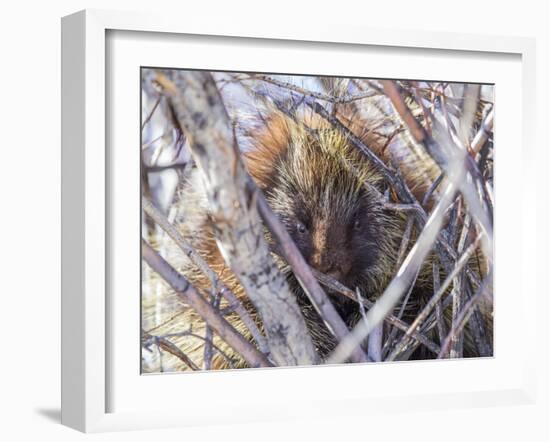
[[30, 215]]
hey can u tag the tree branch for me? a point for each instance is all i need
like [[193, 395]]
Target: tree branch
[[463, 317], [171, 348], [338, 287], [200, 112], [217, 284], [212, 317], [435, 299], [448, 157]]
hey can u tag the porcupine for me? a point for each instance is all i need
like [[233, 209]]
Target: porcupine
[[328, 196]]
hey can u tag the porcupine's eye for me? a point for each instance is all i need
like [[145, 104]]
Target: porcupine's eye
[[301, 228], [357, 224]]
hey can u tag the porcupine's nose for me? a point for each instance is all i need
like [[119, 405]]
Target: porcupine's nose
[[329, 269], [340, 269], [331, 265]]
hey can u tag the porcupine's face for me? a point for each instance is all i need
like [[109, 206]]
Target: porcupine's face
[[321, 193]]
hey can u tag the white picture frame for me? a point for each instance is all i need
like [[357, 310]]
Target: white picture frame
[[87, 355]]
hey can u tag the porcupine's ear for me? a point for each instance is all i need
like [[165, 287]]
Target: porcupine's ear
[[364, 127], [392, 143], [271, 141]]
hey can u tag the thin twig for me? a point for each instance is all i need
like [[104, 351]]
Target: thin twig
[[404, 242], [318, 95], [393, 332], [432, 189], [484, 132], [438, 309], [229, 359], [464, 316], [209, 336], [338, 287], [157, 102], [171, 348], [434, 300], [458, 292]]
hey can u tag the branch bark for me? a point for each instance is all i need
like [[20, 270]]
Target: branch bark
[[200, 112]]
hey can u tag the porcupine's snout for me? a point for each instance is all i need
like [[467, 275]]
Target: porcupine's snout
[[329, 252]]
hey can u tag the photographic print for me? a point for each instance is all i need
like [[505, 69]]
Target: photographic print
[[299, 220]]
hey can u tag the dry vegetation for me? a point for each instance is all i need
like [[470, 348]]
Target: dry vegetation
[[199, 118]]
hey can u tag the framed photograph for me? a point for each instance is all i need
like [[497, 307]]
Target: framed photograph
[[282, 220]]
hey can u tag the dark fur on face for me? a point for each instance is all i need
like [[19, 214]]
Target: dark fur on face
[[340, 243], [326, 194]]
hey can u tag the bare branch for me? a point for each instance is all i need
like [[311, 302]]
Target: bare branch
[[200, 112], [438, 308], [184, 289], [338, 287], [230, 361], [154, 108], [435, 299], [459, 292], [375, 343], [217, 284], [323, 97], [464, 316], [448, 157], [432, 189], [484, 131], [171, 348], [209, 335]]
